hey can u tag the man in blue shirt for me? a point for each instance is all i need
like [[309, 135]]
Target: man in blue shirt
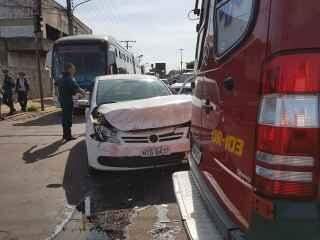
[[68, 87]]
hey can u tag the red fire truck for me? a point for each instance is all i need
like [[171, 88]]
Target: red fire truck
[[255, 123]]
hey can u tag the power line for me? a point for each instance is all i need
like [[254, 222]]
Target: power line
[[112, 18], [75, 5], [127, 43]]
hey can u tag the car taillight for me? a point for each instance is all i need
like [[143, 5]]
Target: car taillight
[[288, 132]]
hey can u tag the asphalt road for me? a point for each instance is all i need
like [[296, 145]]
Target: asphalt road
[[43, 183]]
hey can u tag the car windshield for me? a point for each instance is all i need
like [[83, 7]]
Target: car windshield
[[112, 91]]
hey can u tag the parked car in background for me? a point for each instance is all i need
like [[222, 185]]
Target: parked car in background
[[134, 122], [181, 88], [180, 78]]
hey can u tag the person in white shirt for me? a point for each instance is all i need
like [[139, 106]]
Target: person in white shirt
[[22, 89]]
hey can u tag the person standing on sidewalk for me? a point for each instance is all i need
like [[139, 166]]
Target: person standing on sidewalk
[[8, 89], [67, 87], [22, 89]]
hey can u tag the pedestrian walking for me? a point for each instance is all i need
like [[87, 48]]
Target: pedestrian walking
[[22, 89], [67, 87], [8, 90]]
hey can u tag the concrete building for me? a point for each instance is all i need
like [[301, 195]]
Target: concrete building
[[17, 42]]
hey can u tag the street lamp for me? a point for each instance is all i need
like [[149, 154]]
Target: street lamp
[[70, 11], [79, 4]]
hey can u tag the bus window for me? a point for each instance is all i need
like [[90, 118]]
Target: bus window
[[90, 61], [112, 65]]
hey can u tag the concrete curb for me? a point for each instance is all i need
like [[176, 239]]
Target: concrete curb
[[39, 114], [69, 212]]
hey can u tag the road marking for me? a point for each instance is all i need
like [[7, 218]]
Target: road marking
[[68, 212]]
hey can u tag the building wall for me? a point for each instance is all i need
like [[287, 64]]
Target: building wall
[[20, 14], [16, 9], [19, 63], [56, 16], [17, 43]]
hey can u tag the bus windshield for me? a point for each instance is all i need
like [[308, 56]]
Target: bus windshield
[[90, 61]]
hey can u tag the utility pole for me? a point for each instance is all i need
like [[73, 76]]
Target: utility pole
[[70, 16], [38, 37], [181, 59], [127, 43]]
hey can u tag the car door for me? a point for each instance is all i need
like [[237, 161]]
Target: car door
[[231, 99]]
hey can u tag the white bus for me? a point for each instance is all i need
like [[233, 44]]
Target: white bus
[[93, 56]]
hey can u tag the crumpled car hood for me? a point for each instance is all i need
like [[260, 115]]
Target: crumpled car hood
[[149, 113]]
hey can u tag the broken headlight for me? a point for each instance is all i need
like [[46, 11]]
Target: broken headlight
[[104, 131]]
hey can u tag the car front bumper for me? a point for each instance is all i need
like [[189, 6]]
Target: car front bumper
[[124, 157]]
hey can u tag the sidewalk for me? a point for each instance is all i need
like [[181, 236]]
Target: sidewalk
[[34, 108]]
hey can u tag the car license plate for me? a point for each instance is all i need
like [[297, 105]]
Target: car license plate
[[155, 151]]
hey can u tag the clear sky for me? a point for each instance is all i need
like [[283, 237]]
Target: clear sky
[[160, 27]]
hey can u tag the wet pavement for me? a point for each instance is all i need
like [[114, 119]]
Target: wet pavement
[[47, 193], [135, 205]]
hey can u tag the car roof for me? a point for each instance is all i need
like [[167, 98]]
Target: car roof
[[126, 77]]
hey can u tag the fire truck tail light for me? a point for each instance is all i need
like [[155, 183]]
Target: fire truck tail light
[[282, 189], [290, 111], [288, 141], [288, 74], [288, 135], [286, 176], [296, 161]]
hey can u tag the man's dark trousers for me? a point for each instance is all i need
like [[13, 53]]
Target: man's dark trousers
[[8, 100], [67, 111], [23, 99]]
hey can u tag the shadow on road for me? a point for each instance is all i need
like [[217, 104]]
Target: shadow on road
[[32, 155], [75, 175], [113, 195], [116, 190], [50, 119]]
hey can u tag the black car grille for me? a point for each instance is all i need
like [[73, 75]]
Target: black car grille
[[146, 139], [136, 162]]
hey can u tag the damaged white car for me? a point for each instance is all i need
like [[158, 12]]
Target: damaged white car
[[134, 122]]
